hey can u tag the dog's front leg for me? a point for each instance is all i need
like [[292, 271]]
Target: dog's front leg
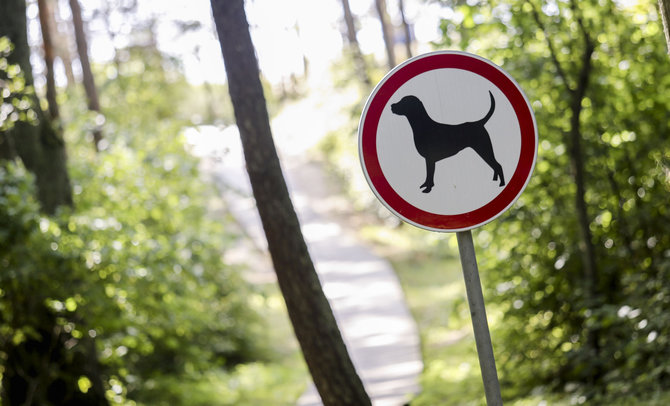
[[430, 174]]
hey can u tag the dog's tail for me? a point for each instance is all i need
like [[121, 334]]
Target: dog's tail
[[490, 113]]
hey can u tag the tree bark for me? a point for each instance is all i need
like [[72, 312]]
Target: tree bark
[[578, 171], [313, 321], [40, 146], [577, 159], [359, 61], [387, 32], [89, 81], [664, 8], [576, 151], [47, 28], [405, 27]]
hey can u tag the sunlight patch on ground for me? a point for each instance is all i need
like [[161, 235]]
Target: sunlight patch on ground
[[319, 231]]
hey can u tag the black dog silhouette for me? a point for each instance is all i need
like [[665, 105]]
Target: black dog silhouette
[[435, 141]]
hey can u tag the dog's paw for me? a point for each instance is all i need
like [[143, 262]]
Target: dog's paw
[[427, 190]]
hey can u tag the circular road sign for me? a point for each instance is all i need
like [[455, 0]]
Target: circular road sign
[[447, 141]]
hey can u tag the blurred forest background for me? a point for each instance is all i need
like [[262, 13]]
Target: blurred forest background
[[114, 284]]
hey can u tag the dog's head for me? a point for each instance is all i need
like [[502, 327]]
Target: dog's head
[[407, 105]]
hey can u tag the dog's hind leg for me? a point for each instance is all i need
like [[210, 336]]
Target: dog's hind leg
[[497, 169], [485, 150], [430, 174]]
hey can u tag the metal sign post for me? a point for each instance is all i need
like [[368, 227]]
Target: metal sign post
[[473, 288], [448, 142]]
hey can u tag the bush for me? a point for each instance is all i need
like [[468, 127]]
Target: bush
[[131, 283]]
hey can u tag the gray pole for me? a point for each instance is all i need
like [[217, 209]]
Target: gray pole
[[473, 287]]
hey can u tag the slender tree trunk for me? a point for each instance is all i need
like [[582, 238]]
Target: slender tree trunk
[[89, 81], [305, 61], [63, 53], [46, 23], [573, 140], [579, 174], [313, 321], [664, 8], [387, 31], [406, 29], [359, 61], [62, 43], [577, 160], [39, 145], [591, 274]]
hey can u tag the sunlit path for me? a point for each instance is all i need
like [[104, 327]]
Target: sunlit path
[[362, 288]]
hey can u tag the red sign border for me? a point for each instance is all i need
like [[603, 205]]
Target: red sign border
[[367, 135]]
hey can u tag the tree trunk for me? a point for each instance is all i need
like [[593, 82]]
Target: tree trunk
[[62, 43], [664, 8], [47, 28], [39, 145], [359, 61], [573, 140], [578, 172], [405, 27], [577, 160], [313, 321], [591, 275], [89, 81], [387, 32]]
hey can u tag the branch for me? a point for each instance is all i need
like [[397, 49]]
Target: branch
[[589, 48], [552, 50], [664, 8]]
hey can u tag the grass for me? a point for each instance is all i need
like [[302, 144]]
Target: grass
[[434, 289]]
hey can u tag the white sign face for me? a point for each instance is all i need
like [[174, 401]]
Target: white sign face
[[447, 141]]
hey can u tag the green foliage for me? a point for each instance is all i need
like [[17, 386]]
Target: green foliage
[[15, 104], [247, 384], [159, 260], [42, 283], [533, 257], [432, 281], [137, 266]]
